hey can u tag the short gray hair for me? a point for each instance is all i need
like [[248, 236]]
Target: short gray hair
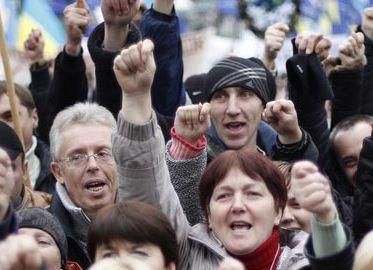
[[79, 113]]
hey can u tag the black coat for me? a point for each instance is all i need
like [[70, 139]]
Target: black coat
[[45, 181], [363, 202], [76, 251]]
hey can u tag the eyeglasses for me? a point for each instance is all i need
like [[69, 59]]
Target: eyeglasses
[[81, 159]]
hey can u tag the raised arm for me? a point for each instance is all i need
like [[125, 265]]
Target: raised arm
[[292, 142], [367, 28], [329, 241], [105, 43], [69, 83], [186, 156], [138, 146], [161, 25], [40, 78], [274, 38], [309, 87], [346, 78]]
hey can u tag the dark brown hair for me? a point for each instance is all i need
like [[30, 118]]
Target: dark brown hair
[[24, 95], [250, 162], [135, 222]]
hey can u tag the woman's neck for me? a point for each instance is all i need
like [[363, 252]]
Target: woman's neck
[[265, 257]]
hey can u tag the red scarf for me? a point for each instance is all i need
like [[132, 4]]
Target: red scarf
[[265, 256]]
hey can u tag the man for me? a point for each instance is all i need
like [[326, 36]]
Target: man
[[22, 196], [239, 96], [346, 142], [86, 173], [37, 152]]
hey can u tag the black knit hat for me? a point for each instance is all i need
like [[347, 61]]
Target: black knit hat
[[9, 141], [307, 76], [238, 72], [41, 219]]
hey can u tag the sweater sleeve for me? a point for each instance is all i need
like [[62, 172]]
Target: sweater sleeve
[[327, 239], [185, 176], [139, 152], [341, 260]]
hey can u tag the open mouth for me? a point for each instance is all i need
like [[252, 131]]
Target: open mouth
[[95, 186], [234, 126], [240, 226]]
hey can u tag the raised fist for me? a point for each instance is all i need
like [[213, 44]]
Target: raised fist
[[76, 17], [34, 46], [274, 38], [119, 13], [312, 191], [192, 121], [282, 116], [135, 67]]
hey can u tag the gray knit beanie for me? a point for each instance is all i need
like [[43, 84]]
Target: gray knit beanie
[[238, 72], [41, 219]]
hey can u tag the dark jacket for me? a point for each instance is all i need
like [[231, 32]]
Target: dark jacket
[[340, 261], [268, 142], [45, 181], [9, 223], [39, 88], [309, 104], [69, 84], [168, 91], [363, 203], [367, 96], [108, 92], [76, 251]]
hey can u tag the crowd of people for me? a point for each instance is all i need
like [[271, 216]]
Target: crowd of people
[[142, 173]]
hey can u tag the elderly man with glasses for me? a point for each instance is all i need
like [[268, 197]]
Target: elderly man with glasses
[[86, 173]]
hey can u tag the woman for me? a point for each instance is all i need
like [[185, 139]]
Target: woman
[[243, 205], [294, 217], [133, 230]]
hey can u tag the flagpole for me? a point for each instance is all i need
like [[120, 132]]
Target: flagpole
[[11, 91]]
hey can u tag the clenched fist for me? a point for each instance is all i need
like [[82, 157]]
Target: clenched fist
[[312, 191]]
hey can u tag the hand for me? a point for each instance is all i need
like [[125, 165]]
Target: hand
[[274, 38], [119, 13], [367, 22], [135, 67], [192, 121], [312, 191], [283, 118], [352, 53], [34, 46], [6, 182], [314, 43], [76, 17], [20, 252], [230, 264]]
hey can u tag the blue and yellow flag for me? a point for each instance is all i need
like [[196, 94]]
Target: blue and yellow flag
[[38, 14]]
